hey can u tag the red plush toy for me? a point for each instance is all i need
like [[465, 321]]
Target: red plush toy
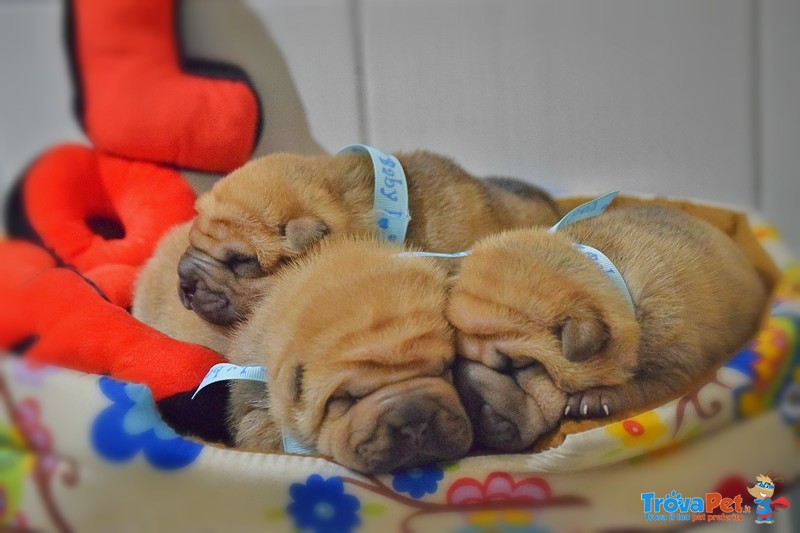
[[136, 98], [101, 214], [101, 211], [62, 320]]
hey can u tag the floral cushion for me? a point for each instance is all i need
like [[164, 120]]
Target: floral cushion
[[84, 452]]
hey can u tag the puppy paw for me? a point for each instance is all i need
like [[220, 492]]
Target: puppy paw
[[592, 403]]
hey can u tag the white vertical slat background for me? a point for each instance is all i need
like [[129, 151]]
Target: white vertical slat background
[[642, 95], [35, 93], [779, 37], [694, 98]]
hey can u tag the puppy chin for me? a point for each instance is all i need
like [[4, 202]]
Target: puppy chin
[[411, 423], [508, 413]]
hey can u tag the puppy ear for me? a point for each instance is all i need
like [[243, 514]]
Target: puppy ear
[[305, 231], [582, 337]]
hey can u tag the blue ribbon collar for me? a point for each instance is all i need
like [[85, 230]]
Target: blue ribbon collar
[[592, 209], [229, 371], [586, 210], [391, 192]]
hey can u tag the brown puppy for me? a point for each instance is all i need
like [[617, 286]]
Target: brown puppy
[[358, 353], [156, 303], [274, 208], [544, 332]]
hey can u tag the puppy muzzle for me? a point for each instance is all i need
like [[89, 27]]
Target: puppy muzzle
[[504, 416], [407, 424], [201, 288]]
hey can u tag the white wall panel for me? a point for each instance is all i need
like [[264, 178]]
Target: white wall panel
[[780, 115], [35, 88], [644, 95]]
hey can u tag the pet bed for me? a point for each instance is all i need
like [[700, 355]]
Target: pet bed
[[85, 452]]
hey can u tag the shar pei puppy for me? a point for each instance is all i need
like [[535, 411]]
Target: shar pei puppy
[[273, 209], [358, 354], [543, 332]]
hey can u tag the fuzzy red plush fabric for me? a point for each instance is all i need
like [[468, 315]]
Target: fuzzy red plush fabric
[[69, 324], [95, 210], [115, 282], [19, 263], [101, 211], [135, 99], [80, 330]]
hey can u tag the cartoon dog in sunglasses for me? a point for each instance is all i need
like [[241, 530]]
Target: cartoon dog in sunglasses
[[762, 492]]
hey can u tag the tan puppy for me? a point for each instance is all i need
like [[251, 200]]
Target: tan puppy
[[156, 303], [274, 208], [358, 353], [543, 331]]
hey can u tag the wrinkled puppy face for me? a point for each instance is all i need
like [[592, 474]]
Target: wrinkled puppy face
[[248, 226], [364, 373], [388, 420], [528, 335]]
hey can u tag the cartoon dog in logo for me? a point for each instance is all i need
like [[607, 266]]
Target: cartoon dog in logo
[[762, 492]]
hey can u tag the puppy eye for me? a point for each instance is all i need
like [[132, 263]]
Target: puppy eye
[[339, 405], [237, 260], [447, 373], [503, 363], [508, 365], [279, 264], [532, 364], [283, 261], [243, 264]]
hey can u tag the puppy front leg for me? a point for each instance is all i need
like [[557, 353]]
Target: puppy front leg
[[250, 419]]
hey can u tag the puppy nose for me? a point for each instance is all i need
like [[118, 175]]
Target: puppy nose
[[418, 430], [493, 430], [187, 282], [414, 433], [186, 291], [186, 267], [410, 418], [497, 432]]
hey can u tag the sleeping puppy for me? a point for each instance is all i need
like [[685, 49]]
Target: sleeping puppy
[[544, 332], [272, 209], [358, 353], [156, 303]]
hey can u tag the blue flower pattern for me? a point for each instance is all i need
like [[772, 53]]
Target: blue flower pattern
[[417, 482], [131, 424], [322, 506]]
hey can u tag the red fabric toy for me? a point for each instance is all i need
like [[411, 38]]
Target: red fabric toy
[[136, 100], [73, 194], [19, 263], [101, 214], [62, 320]]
